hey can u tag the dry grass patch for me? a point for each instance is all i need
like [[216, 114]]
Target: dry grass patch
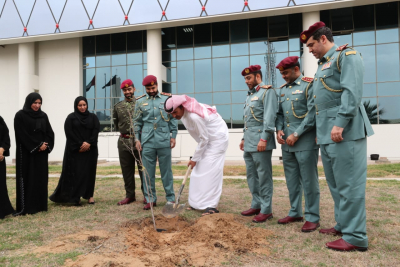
[[66, 234]]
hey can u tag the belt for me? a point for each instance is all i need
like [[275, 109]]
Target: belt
[[330, 104], [153, 125], [126, 136], [253, 123]]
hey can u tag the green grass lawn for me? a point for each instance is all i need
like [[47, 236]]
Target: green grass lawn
[[378, 170]]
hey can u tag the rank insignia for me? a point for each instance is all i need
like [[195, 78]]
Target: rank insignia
[[140, 96], [254, 98], [297, 92], [152, 83], [167, 94], [326, 65], [307, 79], [342, 47], [303, 37], [351, 53], [126, 85], [281, 68], [247, 71], [145, 104]]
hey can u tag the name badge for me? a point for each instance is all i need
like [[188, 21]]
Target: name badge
[[254, 98], [326, 65], [297, 92]]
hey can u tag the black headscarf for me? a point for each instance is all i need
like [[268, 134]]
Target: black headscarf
[[37, 115], [84, 118]]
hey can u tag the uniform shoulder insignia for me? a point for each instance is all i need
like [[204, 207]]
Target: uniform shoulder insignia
[[282, 85], [307, 79], [342, 47], [137, 98], [353, 52], [167, 94], [266, 86]]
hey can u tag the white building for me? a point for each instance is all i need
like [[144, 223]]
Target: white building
[[66, 48]]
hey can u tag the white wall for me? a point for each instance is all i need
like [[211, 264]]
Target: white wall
[[60, 79], [9, 89]]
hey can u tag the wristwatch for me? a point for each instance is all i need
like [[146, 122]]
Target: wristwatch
[[295, 134]]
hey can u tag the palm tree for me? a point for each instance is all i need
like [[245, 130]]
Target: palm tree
[[372, 112]]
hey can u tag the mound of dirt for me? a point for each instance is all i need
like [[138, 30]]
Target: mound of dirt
[[207, 242]]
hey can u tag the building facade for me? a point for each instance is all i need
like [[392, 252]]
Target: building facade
[[67, 48]]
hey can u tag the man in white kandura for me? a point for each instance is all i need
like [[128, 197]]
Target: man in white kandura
[[207, 127]]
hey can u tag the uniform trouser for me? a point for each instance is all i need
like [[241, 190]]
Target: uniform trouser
[[127, 162], [345, 166], [301, 174], [149, 156], [259, 179]]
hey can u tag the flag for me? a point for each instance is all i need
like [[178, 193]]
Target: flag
[[92, 83], [112, 81]]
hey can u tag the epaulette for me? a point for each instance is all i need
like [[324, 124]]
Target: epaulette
[[266, 86], [137, 98], [307, 79], [282, 85], [342, 47], [167, 94], [118, 103]]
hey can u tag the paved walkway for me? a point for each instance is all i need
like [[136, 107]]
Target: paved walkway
[[225, 177]]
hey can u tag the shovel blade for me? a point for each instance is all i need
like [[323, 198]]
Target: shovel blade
[[172, 210]]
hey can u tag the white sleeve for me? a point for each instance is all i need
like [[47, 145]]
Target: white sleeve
[[202, 132]]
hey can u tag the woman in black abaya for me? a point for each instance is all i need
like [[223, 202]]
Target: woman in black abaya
[[35, 140], [5, 205], [80, 157]]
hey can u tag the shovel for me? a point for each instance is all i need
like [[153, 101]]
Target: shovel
[[171, 210]]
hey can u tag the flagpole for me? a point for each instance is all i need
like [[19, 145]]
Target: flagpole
[[105, 93]]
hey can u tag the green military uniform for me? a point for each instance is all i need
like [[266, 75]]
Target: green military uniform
[[154, 128], [338, 88], [122, 123], [300, 160], [260, 111]]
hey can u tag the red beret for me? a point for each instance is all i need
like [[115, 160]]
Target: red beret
[[305, 35], [287, 63], [149, 80], [251, 69], [126, 84]]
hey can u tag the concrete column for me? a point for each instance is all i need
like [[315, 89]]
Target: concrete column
[[27, 80], [309, 61], [154, 56]]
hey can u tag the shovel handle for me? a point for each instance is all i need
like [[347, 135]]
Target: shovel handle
[[182, 186]]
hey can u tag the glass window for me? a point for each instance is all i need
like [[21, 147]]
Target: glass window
[[388, 69], [387, 15], [369, 90], [343, 39], [364, 38], [221, 74], [91, 105], [202, 35], [279, 46], [88, 46], [258, 60], [203, 75], [171, 75], [202, 52], [368, 55], [325, 16], [239, 49], [222, 98], [135, 58], [225, 112], [239, 31], [342, 19], [118, 43], [363, 18], [89, 83], [135, 73], [295, 25], [237, 66], [387, 36], [389, 89], [388, 110], [278, 26], [118, 76], [258, 29], [134, 41], [102, 103], [237, 116], [184, 36], [169, 55], [294, 44], [239, 96], [258, 47], [102, 79], [221, 51], [168, 38], [103, 61], [103, 45], [185, 79], [371, 109], [185, 53], [89, 62], [118, 59], [220, 33], [204, 98]]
